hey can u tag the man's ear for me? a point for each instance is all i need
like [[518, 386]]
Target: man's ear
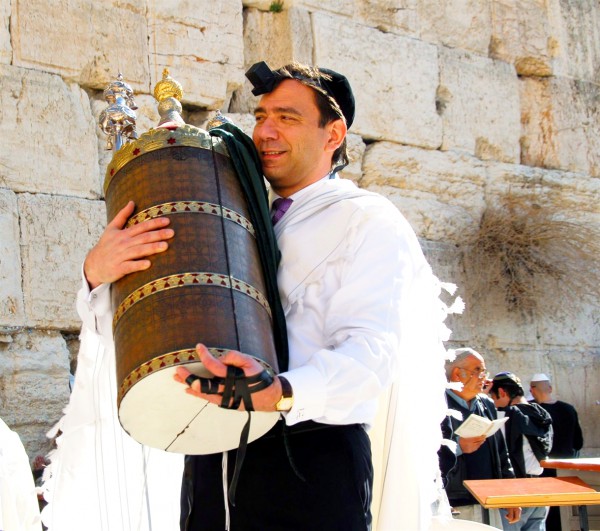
[[337, 132], [454, 377]]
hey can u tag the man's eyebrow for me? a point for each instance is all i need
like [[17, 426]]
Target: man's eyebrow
[[287, 110]]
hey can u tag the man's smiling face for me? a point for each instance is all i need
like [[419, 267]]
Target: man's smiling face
[[294, 150]]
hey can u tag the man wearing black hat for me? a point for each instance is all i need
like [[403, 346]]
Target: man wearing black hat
[[350, 279], [348, 261], [528, 434]]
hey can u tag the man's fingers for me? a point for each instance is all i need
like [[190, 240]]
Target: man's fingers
[[211, 363], [118, 222], [181, 373], [147, 226]]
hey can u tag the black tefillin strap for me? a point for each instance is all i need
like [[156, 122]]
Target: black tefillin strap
[[237, 388]]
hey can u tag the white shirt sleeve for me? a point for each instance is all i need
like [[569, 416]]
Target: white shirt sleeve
[[95, 308], [353, 311]]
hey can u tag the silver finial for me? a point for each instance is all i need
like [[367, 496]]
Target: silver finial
[[217, 120], [118, 119]]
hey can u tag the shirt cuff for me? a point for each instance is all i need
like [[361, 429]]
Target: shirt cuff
[[92, 304], [308, 387]]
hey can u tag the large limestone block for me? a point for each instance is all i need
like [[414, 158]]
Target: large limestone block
[[34, 385], [576, 27], [465, 24], [394, 16], [440, 193], [522, 36], [278, 39], [5, 47], [479, 102], [11, 296], [394, 79], [572, 195], [84, 41], [561, 124], [56, 234], [201, 46], [48, 140]]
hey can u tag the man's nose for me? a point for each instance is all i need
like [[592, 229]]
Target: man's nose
[[266, 130]]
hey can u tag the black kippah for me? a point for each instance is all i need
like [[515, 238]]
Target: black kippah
[[263, 80]]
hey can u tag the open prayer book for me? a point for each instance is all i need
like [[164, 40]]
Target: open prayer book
[[476, 425]]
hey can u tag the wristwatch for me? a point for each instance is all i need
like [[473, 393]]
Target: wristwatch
[[286, 401]]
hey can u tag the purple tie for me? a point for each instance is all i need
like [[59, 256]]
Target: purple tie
[[279, 208]]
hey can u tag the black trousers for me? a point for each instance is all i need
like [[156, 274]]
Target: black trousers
[[334, 493]]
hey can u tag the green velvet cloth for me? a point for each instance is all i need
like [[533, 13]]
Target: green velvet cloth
[[249, 170]]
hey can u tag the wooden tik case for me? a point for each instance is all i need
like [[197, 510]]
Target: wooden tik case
[[207, 287]]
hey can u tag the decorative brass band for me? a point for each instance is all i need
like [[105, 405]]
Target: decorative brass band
[[171, 359], [184, 207], [160, 138], [189, 279]]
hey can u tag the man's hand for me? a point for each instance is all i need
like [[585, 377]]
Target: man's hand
[[122, 251], [468, 445], [264, 400], [513, 514]]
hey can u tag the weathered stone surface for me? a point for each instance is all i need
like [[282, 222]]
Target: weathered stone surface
[[561, 124], [202, 47], [86, 42], [577, 44], [48, 140], [441, 194], [34, 386], [573, 194], [5, 47], [356, 152], [11, 297], [278, 39], [479, 102], [393, 16], [457, 23], [390, 105], [56, 234], [522, 36]]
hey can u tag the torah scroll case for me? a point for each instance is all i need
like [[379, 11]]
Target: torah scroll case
[[208, 287]]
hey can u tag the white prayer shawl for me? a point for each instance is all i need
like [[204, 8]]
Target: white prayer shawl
[[19, 510], [406, 434], [99, 478]]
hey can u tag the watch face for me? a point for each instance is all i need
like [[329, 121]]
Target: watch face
[[285, 404]]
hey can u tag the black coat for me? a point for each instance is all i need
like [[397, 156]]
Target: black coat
[[531, 421], [490, 461]]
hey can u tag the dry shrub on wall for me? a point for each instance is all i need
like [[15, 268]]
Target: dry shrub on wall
[[535, 257]]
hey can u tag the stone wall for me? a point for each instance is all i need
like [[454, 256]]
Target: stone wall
[[460, 103]]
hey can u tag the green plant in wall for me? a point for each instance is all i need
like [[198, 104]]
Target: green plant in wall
[[276, 6]]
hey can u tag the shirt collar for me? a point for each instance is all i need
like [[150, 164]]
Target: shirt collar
[[297, 196], [461, 401]]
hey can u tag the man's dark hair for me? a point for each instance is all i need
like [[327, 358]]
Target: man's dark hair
[[509, 382]]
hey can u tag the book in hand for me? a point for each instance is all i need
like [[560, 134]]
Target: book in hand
[[476, 425]]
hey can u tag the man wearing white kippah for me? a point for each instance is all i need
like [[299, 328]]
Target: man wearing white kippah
[[568, 438]]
